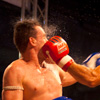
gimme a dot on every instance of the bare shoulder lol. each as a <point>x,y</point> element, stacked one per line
<point>14,73</point>
<point>15,67</point>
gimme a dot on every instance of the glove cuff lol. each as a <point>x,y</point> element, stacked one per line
<point>65,62</point>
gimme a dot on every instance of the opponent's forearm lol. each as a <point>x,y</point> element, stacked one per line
<point>57,50</point>
<point>83,74</point>
<point>68,80</point>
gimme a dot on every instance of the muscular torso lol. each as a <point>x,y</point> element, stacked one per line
<point>41,84</point>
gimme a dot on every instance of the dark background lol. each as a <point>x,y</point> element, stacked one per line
<point>77,21</point>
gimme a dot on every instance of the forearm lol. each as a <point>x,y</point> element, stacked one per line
<point>59,55</point>
<point>68,80</point>
<point>82,74</point>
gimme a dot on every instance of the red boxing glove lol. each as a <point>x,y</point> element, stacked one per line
<point>57,48</point>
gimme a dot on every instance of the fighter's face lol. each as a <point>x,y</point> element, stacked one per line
<point>40,37</point>
<point>41,40</point>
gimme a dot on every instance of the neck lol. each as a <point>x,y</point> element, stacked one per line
<point>31,56</point>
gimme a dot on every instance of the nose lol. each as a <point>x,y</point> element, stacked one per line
<point>46,39</point>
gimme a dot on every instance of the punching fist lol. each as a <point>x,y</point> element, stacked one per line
<point>93,60</point>
<point>57,49</point>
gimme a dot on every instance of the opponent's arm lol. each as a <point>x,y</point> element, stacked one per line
<point>88,73</point>
<point>66,78</point>
<point>84,75</point>
<point>56,49</point>
<point>12,83</point>
<point>58,52</point>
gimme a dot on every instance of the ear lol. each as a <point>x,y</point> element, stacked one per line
<point>32,41</point>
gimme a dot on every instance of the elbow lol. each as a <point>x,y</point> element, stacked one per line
<point>91,83</point>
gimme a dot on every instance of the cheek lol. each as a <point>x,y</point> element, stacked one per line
<point>41,43</point>
<point>43,40</point>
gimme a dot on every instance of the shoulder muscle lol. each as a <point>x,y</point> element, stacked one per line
<point>13,75</point>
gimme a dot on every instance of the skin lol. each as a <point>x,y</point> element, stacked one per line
<point>39,76</point>
<point>85,75</point>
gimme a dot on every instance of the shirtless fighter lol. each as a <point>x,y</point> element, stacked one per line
<point>87,74</point>
<point>33,77</point>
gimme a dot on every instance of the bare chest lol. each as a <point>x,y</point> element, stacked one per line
<point>42,82</point>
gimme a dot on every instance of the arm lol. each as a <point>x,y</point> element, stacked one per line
<point>89,74</point>
<point>12,77</point>
<point>85,75</point>
<point>57,49</point>
<point>66,78</point>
